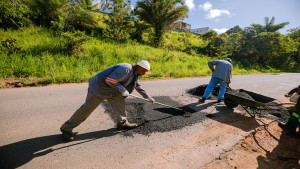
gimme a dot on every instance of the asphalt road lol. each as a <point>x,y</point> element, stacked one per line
<point>30,119</point>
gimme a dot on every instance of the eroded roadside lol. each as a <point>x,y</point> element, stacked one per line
<point>268,146</point>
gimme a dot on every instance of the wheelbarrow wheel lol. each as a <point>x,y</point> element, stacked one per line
<point>230,103</point>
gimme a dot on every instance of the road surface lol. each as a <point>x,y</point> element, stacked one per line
<point>30,119</point>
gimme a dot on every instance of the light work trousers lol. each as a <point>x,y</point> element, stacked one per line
<point>212,84</point>
<point>91,103</point>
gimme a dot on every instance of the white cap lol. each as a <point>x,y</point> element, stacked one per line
<point>144,64</point>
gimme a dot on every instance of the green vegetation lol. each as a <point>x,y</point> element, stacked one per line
<point>43,57</point>
<point>119,26</point>
<point>72,42</point>
<point>160,14</point>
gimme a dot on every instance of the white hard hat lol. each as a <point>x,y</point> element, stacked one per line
<point>144,64</point>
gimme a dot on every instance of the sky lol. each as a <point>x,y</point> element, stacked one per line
<point>221,15</point>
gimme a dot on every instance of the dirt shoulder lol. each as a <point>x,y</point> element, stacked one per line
<point>268,146</point>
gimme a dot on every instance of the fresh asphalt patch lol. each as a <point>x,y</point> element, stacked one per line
<point>157,118</point>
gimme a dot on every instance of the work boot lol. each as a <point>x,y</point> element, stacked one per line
<point>286,126</point>
<point>68,135</point>
<point>202,100</point>
<point>124,124</point>
<point>220,100</point>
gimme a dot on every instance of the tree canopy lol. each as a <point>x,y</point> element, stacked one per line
<point>269,26</point>
<point>160,14</point>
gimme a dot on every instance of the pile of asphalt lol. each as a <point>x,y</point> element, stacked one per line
<point>282,114</point>
<point>156,118</point>
<point>276,111</point>
<point>199,91</point>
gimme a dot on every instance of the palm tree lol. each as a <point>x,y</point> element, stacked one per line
<point>87,4</point>
<point>269,26</point>
<point>160,14</point>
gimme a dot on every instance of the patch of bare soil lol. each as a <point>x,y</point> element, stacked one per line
<point>18,82</point>
<point>268,146</point>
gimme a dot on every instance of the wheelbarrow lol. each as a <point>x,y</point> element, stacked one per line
<point>256,103</point>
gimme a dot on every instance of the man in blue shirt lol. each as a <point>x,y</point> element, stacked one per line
<point>222,74</point>
<point>113,84</point>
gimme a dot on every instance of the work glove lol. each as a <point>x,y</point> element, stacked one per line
<point>287,95</point>
<point>125,93</point>
<point>151,100</point>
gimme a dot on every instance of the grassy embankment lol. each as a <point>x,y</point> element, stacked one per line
<point>43,61</point>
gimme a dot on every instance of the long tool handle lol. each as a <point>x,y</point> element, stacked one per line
<point>156,102</point>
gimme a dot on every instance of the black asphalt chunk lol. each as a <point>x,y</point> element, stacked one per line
<point>270,112</point>
<point>250,95</point>
<point>156,118</point>
<point>199,91</point>
<point>282,115</point>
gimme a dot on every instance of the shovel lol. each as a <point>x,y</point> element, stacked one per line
<point>185,113</point>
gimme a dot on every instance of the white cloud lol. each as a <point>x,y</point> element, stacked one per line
<point>213,13</point>
<point>216,13</point>
<point>220,31</point>
<point>206,6</point>
<point>190,4</point>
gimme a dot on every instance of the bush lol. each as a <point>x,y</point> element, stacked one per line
<point>13,14</point>
<point>11,47</point>
<point>182,41</point>
<point>73,42</point>
<point>77,18</point>
<point>43,12</point>
<point>267,49</point>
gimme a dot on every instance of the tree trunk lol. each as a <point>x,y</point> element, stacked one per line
<point>158,36</point>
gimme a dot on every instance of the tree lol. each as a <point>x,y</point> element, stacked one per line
<point>269,26</point>
<point>140,28</point>
<point>119,25</point>
<point>209,35</point>
<point>77,18</point>
<point>216,45</point>
<point>295,35</point>
<point>160,14</point>
<point>235,29</point>
<point>13,13</point>
<point>86,4</point>
<point>233,44</point>
<point>43,12</point>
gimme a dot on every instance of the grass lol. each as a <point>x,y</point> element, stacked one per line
<point>44,59</point>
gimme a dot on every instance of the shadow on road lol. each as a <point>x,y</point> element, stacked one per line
<point>17,154</point>
<point>228,116</point>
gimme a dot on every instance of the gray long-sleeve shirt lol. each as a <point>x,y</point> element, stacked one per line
<point>222,70</point>
<point>115,79</point>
